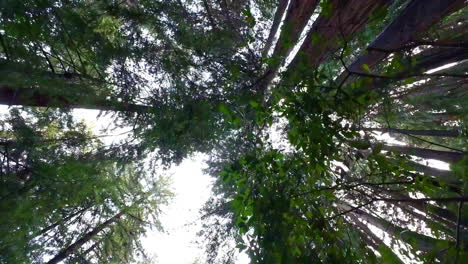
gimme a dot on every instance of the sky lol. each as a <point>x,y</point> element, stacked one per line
<point>179,219</point>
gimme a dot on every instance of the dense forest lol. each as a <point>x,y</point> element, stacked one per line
<point>336,130</point>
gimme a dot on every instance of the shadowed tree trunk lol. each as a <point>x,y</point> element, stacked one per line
<point>439,214</point>
<point>282,6</point>
<point>329,30</point>
<point>43,97</point>
<point>439,88</point>
<point>299,13</point>
<point>445,175</point>
<point>447,156</point>
<point>422,242</point>
<point>417,17</point>
<point>418,132</point>
<point>424,61</point>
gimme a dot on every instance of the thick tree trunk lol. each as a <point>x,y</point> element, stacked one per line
<point>299,13</point>
<point>43,97</point>
<point>417,17</point>
<point>435,87</point>
<point>282,6</point>
<point>426,60</point>
<point>444,175</point>
<point>439,214</point>
<point>417,132</point>
<point>445,116</point>
<point>63,254</point>
<point>447,156</point>
<point>329,30</point>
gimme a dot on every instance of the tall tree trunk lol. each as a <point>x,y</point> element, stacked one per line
<point>424,61</point>
<point>444,175</point>
<point>435,87</point>
<point>423,242</point>
<point>299,13</point>
<point>418,132</point>
<point>439,214</point>
<point>417,17</point>
<point>83,240</point>
<point>329,30</point>
<point>447,156</point>
<point>444,226</point>
<point>209,14</point>
<point>43,97</point>
<point>282,6</point>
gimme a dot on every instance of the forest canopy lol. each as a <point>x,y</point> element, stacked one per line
<point>335,130</point>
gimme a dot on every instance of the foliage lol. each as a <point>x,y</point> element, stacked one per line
<point>302,171</point>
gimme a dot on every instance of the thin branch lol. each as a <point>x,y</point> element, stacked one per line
<point>47,58</point>
<point>350,210</point>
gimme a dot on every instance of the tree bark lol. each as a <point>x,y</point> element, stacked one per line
<point>299,13</point>
<point>447,156</point>
<point>417,17</point>
<point>426,60</point>
<point>445,175</point>
<point>439,214</point>
<point>437,87</point>
<point>423,242</point>
<point>83,240</point>
<point>43,97</point>
<point>418,132</point>
<point>282,6</point>
<point>328,31</point>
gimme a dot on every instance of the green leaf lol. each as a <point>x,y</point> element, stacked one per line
<point>366,68</point>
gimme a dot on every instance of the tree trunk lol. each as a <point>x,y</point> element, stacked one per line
<point>299,13</point>
<point>439,214</point>
<point>282,6</point>
<point>417,132</point>
<point>447,156</point>
<point>444,175</point>
<point>426,60</point>
<point>417,17</point>
<point>423,242</point>
<point>209,14</point>
<point>43,97</point>
<point>329,30</point>
<point>83,240</point>
<point>437,87</point>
